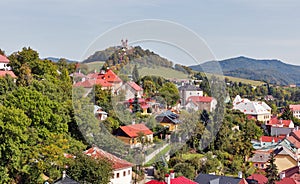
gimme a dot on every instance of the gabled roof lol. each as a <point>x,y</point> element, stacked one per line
<point>66,180</point>
<point>279,122</point>
<point>85,84</point>
<point>169,115</point>
<point>197,99</point>
<point>178,180</point>
<point>286,181</point>
<point>209,178</point>
<point>110,76</point>
<point>3,59</point>
<point>253,108</point>
<point>10,73</point>
<point>261,179</point>
<point>271,139</point>
<point>135,86</point>
<point>118,163</point>
<point>260,157</point>
<point>292,172</point>
<point>294,138</point>
<point>77,74</point>
<point>295,107</point>
<point>134,130</point>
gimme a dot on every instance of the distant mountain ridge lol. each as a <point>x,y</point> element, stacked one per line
<point>54,59</point>
<point>270,70</point>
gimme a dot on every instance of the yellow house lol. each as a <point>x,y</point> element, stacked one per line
<point>285,159</point>
<point>169,120</point>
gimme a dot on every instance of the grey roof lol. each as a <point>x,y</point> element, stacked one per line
<point>215,179</point>
<point>189,88</point>
<point>260,157</point>
<point>66,180</point>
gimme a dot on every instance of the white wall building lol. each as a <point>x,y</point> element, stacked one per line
<point>296,110</point>
<point>122,170</point>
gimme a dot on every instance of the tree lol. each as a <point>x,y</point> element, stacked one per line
<point>87,169</point>
<point>170,93</point>
<point>271,170</point>
<point>135,74</point>
<point>136,107</point>
<point>287,114</point>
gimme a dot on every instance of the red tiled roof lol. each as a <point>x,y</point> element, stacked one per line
<point>182,180</point>
<point>286,181</point>
<point>134,86</point>
<point>155,182</point>
<point>140,100</point>
<point>103,83</point>
<point>92,75</point>
<point>118,163</point>
<point>292,172</point>
<point>276,122</point>
<point>110,76</point>
<point>243,181</point>
<point>261,179</point>
<point>270,138</point>
<point>3,59</point>
<point>294,140</point>
<point>85,84</point>
<point>295,107</point>
<point>133,130</point>
<point>196,99</point>
<point>11,73</point>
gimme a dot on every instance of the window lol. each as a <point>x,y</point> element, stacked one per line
<point>124,173</point>
<point>118,175</point>
<point>128,172</point>
<point>256,165</point>
<point>262,165</point>
<point>113,176</point>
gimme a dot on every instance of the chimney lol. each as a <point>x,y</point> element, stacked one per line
<point>133,122</point>
<point>64,174</point>
<point>280,121</point>
<point>240,174</point>
<point>282,175</point>
<point>167,179</point>
<point>172,174</point>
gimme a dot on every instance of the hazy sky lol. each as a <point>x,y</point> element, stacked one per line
<point>66,28</point>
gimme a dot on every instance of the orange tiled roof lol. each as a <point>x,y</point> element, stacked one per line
<point>133,130</point>
<point>11,73</point>
<point>3,59</point>
<point>117,162</point>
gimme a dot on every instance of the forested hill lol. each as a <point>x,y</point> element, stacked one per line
<point>118,57</point>
<point>273,71</point>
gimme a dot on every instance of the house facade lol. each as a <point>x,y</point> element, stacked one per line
<point>296,110</point>
<point>122,170</point>
<point>131,134</point>
<point>131,88</point>
<point>201,103</point>
<point>259,110</point>
<point>187,90</point>
<point>4,63</point>
<point>280,127</point>
<point>169,120</point>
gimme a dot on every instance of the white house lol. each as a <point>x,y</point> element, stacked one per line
<point>296,110</point>
<point>4,63</point>
<point>201,103</point>
<point>131,88</point>
<point>122,170</point>
<point>259,110</point>
<point>186,91</point>
<point>99,113</point>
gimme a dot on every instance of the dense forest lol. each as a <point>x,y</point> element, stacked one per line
<point>37,124</point>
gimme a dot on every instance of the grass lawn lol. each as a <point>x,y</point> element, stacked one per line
<point>188,156</point>
<point>162,152</point>
<point>95,65</point>
<point>167,73</point>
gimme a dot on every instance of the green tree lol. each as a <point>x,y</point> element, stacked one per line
<point>271,170</point>
<point>170,93</point>
<point>287,114</point>
<point>135,74</point>
<point>136,107</point>
<point>86,169</point>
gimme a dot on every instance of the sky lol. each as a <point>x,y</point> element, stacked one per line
<point>266,29</point>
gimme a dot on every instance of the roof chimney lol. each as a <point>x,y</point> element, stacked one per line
<point>167,179</point>
<point>282,175</point>
<point>240,174</point>
<point>172,174</point>
<point>64,174</point>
